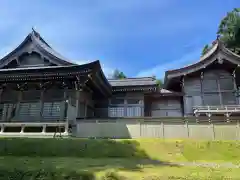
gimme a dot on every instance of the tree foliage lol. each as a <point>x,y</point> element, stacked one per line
<point>158,81</point>
<point>205,49</point>
<point>118,74</point>
<point>229,30</point>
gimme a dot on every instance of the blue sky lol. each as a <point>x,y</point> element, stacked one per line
<point>139,37</point>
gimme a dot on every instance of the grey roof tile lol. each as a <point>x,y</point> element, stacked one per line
<point>144,81</point>
<point>47,48</point>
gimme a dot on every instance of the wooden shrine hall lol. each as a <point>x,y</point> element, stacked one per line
<point>43,93</point>
<point>38,85</point>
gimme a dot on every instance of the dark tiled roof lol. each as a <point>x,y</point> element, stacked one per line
<point>42,44</point>
<point>205,60</point>
<point>217,52</point>
<point>145,81</point>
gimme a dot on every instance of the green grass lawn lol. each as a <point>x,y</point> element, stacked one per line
<point>134,159</point>
<point>190,150</point>
<point>131,168</point>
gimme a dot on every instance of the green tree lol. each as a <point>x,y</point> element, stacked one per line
<point>158,81</point>
<point>229,30</point>
<point>205,49</point>
<point>118,74</point>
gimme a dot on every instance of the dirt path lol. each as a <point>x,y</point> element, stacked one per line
<point>207,164</point>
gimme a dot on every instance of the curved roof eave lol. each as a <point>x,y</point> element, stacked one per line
<point>102,75</point>
<point>196,65</point>
<point>42,45</point>
<point>90,65</point>
<point>6,57</point>
<point>47,49</point>
<point>204,61</point>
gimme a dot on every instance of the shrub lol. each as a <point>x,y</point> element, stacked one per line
<point>70,148</point>
<point>42,174</point>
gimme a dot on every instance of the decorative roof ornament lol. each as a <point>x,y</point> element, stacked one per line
<point>216,41</point>
<point>33,30</point>
<point>35,33</point>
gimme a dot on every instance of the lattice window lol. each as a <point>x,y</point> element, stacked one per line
<point>9,111</point>
<point>51,110</point>
<point>134,111</point>
<point>29,109</point>
<point>1,111</point>
<point>116,111</point>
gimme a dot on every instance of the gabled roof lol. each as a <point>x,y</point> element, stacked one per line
<point>218,52</point>
<point>142,81</point>
<point>133,84</point>
<point>41,45</point>
<point>90,70</point>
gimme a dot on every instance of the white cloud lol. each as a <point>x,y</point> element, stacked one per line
<point>160,69</point>
<point>91,32</point>
<point>108,71</point>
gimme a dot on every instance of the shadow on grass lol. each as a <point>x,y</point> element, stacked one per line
<point>49,174</point>
<point>84,154</point>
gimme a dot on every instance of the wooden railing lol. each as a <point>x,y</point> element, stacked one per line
<point>217,109</point>
<point>34,129</point>
<point>191,119</point>
<point>32,112</point>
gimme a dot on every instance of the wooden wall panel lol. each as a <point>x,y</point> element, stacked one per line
<point>167,106</point>
<point>215,87</point>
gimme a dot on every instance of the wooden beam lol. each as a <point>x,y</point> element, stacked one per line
<point>95,79</point>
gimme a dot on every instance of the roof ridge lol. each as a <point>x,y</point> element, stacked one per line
<point>137,78</point>
<point>45,46</point>
<point>37,35</point>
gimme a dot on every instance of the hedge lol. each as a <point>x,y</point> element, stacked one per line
<point>42,174</point>
<point>92,148</point>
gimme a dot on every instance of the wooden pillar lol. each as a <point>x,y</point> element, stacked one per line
<point>63,105</point>
<point>20,93</point>
<point>1,91</point>
<point>41,104</point>
<point>201,84</point>
<point>85,109</point>
<point>77,103</point>
<point>43,87</point>
<point>63,109</point>
<point>219,92</point>
<point>184,101</point>
<point>163,133</point>
<point>235,86</point>
<point>78,88</point>
<point>125,105</point>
